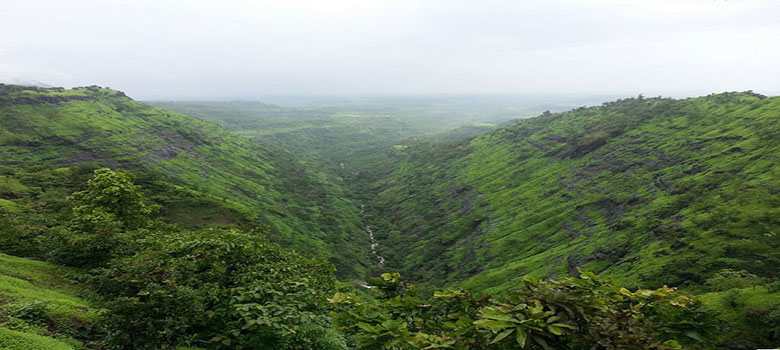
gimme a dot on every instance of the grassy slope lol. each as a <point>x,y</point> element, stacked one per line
<point>25,283</point>
<point>205,166</point>
<point>653,191</point>
<point>342,133</point>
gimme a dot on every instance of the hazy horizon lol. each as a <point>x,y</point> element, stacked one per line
<point>263,50</point>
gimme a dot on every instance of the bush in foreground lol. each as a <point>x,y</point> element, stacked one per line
<point>573,313</point>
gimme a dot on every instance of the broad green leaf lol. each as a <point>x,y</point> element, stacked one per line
<point>366,327</point>
<point>694,335</point>
<point>493,325</point>
<point>521,337</point>
<point>502,335</point>
<point>497,315</point>
<point>541,342</point>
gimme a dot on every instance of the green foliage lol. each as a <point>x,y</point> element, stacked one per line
<point>202,174</point>
<point>110,196</point>
<point>34,312</point>
<point>649,190</point>
<point>38,302</point>
<point>729,279</point>
<point>20,233</point>
<point>764,322</point>
<point>166,287</point>
<point>748,316</point>
<point>214,288</point>
<point>573,313</point>
<point>106,216</point>
<point>654,191</point>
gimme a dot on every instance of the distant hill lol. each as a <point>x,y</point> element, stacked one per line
<point>335,132</point>
<point>201,173</point>
<point>329,136</point>
<point>650,190</point>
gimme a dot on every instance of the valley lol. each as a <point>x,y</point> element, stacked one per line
<point>477,197</point>
<point>610,188</point>
<point>390,175</point>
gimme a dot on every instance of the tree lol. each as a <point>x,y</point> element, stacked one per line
<point>105,218</point>
<point>220,289</point>
<point>111,195</point>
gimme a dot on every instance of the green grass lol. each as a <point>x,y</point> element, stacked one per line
<point>332,134</point>
<point>651,191</point>
<point>14,340</point>
<point>25,280</point>
<point>203,165</point>
<point>62,309</point>
<point>9,205</point>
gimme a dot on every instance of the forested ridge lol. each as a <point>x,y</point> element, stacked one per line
<point>644,223</point>
<point>654,191</point>
<point>200,174</point>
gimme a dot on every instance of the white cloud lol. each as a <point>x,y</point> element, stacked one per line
<point>246,48</point>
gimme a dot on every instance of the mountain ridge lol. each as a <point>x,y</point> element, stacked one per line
<point>646,191</point>
<point>267,186</point>
<point>576,175</point>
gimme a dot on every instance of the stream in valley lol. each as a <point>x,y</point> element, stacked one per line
<point>372,241</point>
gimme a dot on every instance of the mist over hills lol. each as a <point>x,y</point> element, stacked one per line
<point>648,191</point>
<point>389,175</point>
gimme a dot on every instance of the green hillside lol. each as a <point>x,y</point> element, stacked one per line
<point>326,134</point>
<point>40,309</point>
<point>337,135</point>
<point>652,191</point>
<point>198,172</point>
<point>627,198</point>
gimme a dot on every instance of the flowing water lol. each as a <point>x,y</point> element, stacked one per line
<point>372,241</point>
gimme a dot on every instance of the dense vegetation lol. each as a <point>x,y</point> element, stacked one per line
<point>162,286</point>
<point>188,241</point>
<point>651,191</point>
<point>40,307</point>
<point>575,313</point>
<point>337,135</point>
<point>635,188</point>
<point>199,173</point>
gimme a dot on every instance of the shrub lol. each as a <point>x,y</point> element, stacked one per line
<point>111,195</point>
<point>34,312</point>
<point>106,218</point>
<point>574,313</point>
<point>729,279</point>
<point>764,323</point>
<point>214,288</point>
<point>19,234</point>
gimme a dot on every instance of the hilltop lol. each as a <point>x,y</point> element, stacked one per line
<point>201,174</point>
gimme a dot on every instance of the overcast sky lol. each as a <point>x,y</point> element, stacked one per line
<point>226,49</point>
